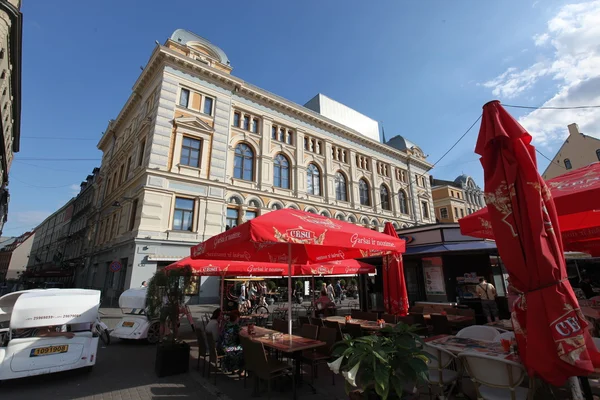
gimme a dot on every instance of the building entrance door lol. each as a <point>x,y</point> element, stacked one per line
<point>414,281</point>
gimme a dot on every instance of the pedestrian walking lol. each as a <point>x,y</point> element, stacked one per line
<point>487,294</point>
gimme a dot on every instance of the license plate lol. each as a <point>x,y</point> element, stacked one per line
<point>127,324</point>
<point>46,351</point>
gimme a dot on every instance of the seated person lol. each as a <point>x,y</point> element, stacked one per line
<point>229,345</point>
<point>323,301</point>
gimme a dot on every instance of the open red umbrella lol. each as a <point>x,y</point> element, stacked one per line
<point>395,295</point>
<point>296,237</point>
<point>549,326</point>
<point>575,196</point>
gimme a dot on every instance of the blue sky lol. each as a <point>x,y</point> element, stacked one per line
<point>423,69</point>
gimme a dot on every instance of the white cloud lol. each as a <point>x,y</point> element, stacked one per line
<point>75,189</point>
<point>574,66</point>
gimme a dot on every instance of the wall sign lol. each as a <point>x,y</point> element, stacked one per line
<point>433,275</point>
<point>115,266</point>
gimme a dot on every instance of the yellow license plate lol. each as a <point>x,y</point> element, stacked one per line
<point>127,324</point>
<point>46,351</point>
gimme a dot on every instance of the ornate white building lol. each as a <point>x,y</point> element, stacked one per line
<point>196,150</point>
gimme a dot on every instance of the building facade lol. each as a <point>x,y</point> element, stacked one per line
<point>48,249</point>
<point>195,151</point>
<point>11,26</point>
<point>473,195</point>
<point>577,151</point>
<point>14,257</point>
<point>448,201</point>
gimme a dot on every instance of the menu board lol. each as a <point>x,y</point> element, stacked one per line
<point>433,275</point>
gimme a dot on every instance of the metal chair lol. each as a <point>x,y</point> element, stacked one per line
<point>264,368</point>
<point>202,349</point>
<point>336,326</point>
<point>479,332</point>
<point>354,330</point>
<point>319,356</point>
<point>389,318</point>
<point>440,325</point>
<point>440,372</point>
<point>214,357</point>
<point>309,331</point>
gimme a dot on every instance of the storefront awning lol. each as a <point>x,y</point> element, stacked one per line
<point>486,246</point>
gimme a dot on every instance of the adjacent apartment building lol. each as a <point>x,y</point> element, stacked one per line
<point>455,199</point>
<point>196,150</point>
<point>577,151</point>
<point>14,256</point>
<point>11,27</point>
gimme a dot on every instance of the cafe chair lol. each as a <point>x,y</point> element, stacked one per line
<point>495,378</point>
<point>479,332</point>
<point>321,355</point>
<point>213,356</point>
<point>316,321</point>
<point>441,372</point>
<point>419,320</point>
<point>370,316</point>
<point>309,331</point>
<point>440,325</point>
<point>355,314</point>
<point>303,320</point>
<point>451,310</point>
<point>245,342</point>
<point>354,330</point>
<point>280,325</point>
<point>202,349</point>
<point>505,335</point>
<point>336,326</point>
<point>466,312</point>
<point>389,318</point>
<point>264,368</point>
<point>407,319</point>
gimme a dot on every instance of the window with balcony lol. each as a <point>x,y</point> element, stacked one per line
<point>190,152</point>
<point>183,215</point>
<point>281,172</point>
<point>313,180</point>
<point>243,166</point>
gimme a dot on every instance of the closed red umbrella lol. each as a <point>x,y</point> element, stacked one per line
<point>549,326</point>
<point>395,295</point>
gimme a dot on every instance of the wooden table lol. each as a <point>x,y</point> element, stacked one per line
<point>285,343</point>
<point>364,324</point>
<point>505,324</point>
<point>452,318</point>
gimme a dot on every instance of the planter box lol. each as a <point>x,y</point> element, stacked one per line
<point>172,359</point>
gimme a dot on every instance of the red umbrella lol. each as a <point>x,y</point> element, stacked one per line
<point>575,196</point>
<point>313,239</point>
<point>395,295</point>
<point>296,237</point>
<point>524,223</point>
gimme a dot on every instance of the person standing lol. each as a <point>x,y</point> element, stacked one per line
<point>338,291</point>
<point>331,292</point>
<point>487,294</point>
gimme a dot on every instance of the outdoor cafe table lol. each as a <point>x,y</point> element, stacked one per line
<point>505,324</point>
<point>290,344</point>
<point>453,319</point>
<point>456,345</point>
<point>364,324</point>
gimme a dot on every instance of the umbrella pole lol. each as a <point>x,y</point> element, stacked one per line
<point>290,288</point>
<point>313,296</point>
<point>575,388</point>
<point>222,291</point>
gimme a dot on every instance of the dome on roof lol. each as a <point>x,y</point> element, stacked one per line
<point>400,143</point>
<point>184,37</point>
<point>462,179</point>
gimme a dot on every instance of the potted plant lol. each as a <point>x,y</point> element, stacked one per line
<point>164,298</point>
<point>382,366</point>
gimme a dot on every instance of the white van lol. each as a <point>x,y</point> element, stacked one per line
<point>30,340</point>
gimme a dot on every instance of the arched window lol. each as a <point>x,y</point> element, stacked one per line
<point>276,206</point>
<point>568,164</point>
<point>403,202</point>
<point>364,221</point>
<point>384,194</point>
<point>352,219</point>
<point>313,180</point>
<point>598,154</point>
<point>326,214</point>
<point>243,166</point>
<point>340,187</point>
<point>340,217</point>
<point>281,172</point>
<point>375,224</point>
<point>363,190</point>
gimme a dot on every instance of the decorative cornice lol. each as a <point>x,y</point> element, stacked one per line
<point>241,87</point>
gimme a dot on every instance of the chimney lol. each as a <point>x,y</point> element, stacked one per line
<point>573,129</point>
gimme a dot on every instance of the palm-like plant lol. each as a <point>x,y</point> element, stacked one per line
<point>382,364</point>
